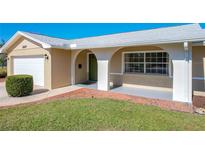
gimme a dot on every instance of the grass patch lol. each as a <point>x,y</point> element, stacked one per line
<point>96,114</point>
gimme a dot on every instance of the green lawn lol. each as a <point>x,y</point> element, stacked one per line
<point>96,114</point>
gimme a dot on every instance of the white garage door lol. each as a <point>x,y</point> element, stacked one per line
<point>32,66</point>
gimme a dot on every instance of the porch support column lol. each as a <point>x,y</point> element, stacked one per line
<point>103,56</point>
<point>103,75</point>
<point>182,76</point>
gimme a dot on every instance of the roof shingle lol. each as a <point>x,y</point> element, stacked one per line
<point>189,32</point>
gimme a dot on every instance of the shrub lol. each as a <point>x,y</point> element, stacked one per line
<point>3,72</point>
<point>19,85</point>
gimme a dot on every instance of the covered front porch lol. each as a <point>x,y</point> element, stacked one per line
<point>152,71</point>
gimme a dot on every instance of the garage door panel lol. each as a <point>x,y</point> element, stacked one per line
<point>30,65</point>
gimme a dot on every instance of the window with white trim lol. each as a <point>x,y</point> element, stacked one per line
<point>146,62</point>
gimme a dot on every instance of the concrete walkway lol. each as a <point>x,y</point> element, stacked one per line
<point>144,92</point>
<point>38,94</point>
<point>141,91</point>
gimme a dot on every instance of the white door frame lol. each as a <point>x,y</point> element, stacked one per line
<point>88,54</point>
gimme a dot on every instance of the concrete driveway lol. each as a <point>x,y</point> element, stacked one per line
<point>38,94</point>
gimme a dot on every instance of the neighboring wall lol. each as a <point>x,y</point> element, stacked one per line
<point>118,78</point>
<point>61,68</point>
<point>198,70</point>
<point>26,47</point>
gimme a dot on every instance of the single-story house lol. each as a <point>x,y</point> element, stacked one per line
<point>170,58</point>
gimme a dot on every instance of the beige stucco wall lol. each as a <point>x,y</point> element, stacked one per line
<point>81,74</point>
<point>138,79</point>
<point>30,50</point>
<point>24,43</point>
<point>148,80</point>
<point>57,68</point>
<point>198,70</point>
<point>60,68</point>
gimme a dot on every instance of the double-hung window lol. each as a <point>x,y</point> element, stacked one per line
<point>146,62</point>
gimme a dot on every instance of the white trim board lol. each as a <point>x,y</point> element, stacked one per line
<point>18,34</point>
<point>88,64</point>
<point>198,78</point>
<point>116,73</point>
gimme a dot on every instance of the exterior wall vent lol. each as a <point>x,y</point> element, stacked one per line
<point>24,46</point>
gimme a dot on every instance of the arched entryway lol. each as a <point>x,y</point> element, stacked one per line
<point>85,67</point>
<point>137,64</point>
<point>142,71</point>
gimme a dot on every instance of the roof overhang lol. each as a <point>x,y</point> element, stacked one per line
<point>124,44</point>
<point>16,36</point>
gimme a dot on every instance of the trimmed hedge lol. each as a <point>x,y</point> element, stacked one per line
<point>19,85</point>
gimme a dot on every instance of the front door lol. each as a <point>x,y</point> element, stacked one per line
<point>92,67</point>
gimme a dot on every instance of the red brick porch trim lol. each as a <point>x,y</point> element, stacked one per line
<point>199,101</point>
<point>91,93</point>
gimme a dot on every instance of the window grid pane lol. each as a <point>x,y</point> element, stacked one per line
<point>157,63</point>
<point>152,62</point>
<point>134,63</point>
